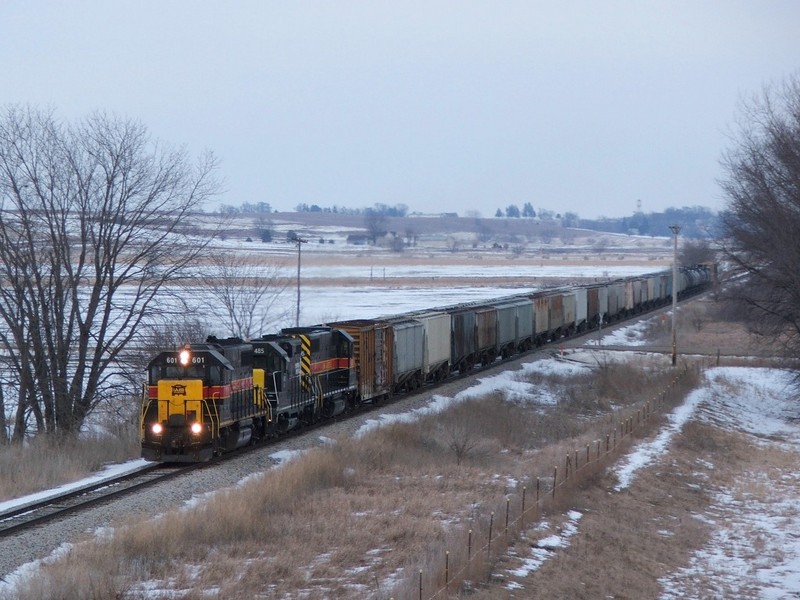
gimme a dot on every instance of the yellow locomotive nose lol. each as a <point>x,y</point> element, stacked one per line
<point>179,397</point>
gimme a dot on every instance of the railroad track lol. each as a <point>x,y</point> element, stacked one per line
<point>39,512</point>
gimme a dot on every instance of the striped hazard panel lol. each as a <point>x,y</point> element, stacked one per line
<point>305,362</point>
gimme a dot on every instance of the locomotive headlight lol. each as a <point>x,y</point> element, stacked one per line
<point>157,428</point>
<point>185,356</point>
<point>196,428</point>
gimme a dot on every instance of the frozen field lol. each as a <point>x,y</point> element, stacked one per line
<point>344,282</point>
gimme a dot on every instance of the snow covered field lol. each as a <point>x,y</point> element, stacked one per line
<point>339,301</point>
<point>327,273</point>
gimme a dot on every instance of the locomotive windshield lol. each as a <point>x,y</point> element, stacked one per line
<point>212,374</point>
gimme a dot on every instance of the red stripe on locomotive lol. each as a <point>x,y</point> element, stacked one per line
<point>331,364</point>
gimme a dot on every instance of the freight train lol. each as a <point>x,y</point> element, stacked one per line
<point>208,398</point>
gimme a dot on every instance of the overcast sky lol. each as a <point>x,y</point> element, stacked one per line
<point>443,106</point>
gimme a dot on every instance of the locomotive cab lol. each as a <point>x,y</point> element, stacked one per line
<point>198,402</point>
<point>307,373</point>
<point>276,366</point>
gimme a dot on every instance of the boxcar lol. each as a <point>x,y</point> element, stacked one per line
<point>630,298</point>
<point>525,324</point>
<point>372,353</point>
<point>616,300</point>
<point>593,306</point>
<point>569,303</point>
<point>541,318</point>
<point>514,326</point>
<point>486,333</point>
<point>652,290</point>
<point>581,308</point>
<point>556,312</point>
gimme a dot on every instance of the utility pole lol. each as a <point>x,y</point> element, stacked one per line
<point>675,229</point>
<point>299,241</point>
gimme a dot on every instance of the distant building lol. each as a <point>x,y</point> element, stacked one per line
<point>358,239</point>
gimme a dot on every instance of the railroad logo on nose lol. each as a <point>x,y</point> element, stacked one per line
<point>178,389</point>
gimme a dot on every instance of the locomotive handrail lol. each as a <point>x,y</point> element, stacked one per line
<point>274,375</point>
<point>145,405</point>
<point>318,393</point>
<point>263,401</point>
<point>213,416</point>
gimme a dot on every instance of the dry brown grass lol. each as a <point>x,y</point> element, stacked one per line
<point>362,518</point>
<point>46,462</point>
<point>628,540</point>
<point>702,331</point>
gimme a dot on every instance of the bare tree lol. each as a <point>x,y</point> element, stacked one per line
<point>460,435</point>
<point>264,228</point>
<point>696,252</point>
<point>247,293</point>
<point>90,217</point>
<point>4,432</point>
<point>762,186</point>
<point>452,243</point>
<point>375,222</point>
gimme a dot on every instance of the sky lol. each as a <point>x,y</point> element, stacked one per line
<point>598,108</point>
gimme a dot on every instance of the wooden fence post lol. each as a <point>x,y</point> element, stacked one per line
<point>555,480</point>
<point>522,514</point>
<point>489,545</point>
<point>508,508</point>
<point>446,570</point>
